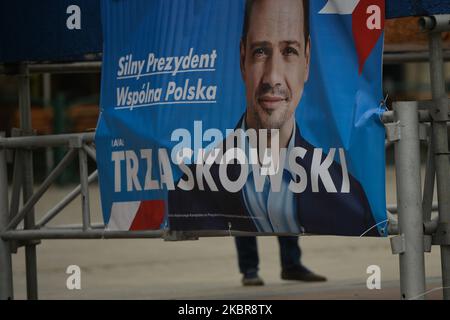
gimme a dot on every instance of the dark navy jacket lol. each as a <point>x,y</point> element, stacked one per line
<point>323,213</point>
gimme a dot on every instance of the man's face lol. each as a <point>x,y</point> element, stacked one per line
<point>274,62</point>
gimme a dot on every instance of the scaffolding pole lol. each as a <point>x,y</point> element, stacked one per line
<point>440,116</point>
<point>6,279</point>
<point>409,244</point>
<point>28,180</point>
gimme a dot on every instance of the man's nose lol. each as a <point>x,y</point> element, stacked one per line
<point>273,73</point>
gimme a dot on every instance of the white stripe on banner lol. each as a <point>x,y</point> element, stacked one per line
<point>339,7</point>
<point>122,215</point>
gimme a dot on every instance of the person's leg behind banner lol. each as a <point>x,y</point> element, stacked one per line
<point>248,260</point>
<point>291,264</point>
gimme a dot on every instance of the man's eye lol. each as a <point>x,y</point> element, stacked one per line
<point>289,51</point>
<point>259,52</point>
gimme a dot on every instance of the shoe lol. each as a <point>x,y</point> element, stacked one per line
<point>253,280</point>
<point>300,273</point>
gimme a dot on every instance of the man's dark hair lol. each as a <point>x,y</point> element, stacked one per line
<point>248,12</point>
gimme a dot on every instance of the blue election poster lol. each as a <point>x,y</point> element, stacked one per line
<point>260,116</point>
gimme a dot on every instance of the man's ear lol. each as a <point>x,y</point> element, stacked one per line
<point>242,58</point>
<point>307,58</point>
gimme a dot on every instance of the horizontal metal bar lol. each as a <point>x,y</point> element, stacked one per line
<point>393,229</point>
<point>392,208</point>
<point>47,233</point>
<point>45,141</point>
<point>424,112</point>
<point>430,227</point>
<point>435,23</point>
<point>410,57</point>
<point>78,234</point>
<point>74,67</point>
<point>429,104</point>
<point>388,116</point>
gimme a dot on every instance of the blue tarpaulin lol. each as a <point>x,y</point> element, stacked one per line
<point>53,30</point>
<point>404,8</point>
<point>37,30</point>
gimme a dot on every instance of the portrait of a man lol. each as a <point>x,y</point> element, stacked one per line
<point>275,53</point>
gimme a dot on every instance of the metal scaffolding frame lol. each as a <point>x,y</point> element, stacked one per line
<point>413,234</point>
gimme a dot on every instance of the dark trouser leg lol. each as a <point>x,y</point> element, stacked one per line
<point>290,252</point>
<point>247,250</point>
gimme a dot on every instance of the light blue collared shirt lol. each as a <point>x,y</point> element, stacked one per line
<point>272,211</point>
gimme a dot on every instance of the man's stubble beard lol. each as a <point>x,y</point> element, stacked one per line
<point>271,120</point>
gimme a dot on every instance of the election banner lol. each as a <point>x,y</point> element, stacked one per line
<point>259,116</point>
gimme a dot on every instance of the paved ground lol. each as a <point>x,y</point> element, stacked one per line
<point>207,268</point>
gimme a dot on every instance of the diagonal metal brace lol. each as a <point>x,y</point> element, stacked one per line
<point>45,185</point>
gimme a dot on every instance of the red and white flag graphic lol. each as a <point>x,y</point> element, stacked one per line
<point>136,215</point>
<point>367,23</point>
